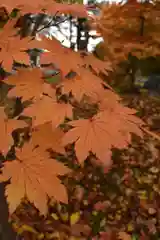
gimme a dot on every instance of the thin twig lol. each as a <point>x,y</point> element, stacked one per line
<point>152,134</point>
<point>49,24</point>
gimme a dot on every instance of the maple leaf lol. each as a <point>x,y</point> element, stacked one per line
<point>53,7</point>
<point>62,110</point>
<point>24,5</point>
<point>50,7</point>
<point>48,110</point>
<point>78,228</point>
<point>9,5</point>
<point>105,98</point>
<point>49,90</point>
<point>13,48</point>
<point>105,130</point>
<point>8,30</point>
<point>83,83</point>
<point>97,65</point>
<point>5,36</point>
<point>109,101</point>
<point>33,175</point>
<point>56,51</point>
<point>46,137</point>
<point>124,236</point>
<point>28,83</point>
<point>7,127</point>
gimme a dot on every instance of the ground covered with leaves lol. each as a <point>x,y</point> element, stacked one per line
<point>122,202</point>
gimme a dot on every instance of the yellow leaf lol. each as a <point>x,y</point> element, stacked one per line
<point>15,227</point>
<point>64,216</point>
<point>130,227</point>
<point>40,236</point>
<point>74,218</point>
<point>54,216</point>
<point>94,213</point>
<point>27,228</point>
<point>117,217</point>
<point>53,235</point>
<point>142,194</point>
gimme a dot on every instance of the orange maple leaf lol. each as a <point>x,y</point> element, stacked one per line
<point>99,134</point>
<point>106,98</point>
<point>49,90</point>
<point>8,29</point>
<point>46,137</point>
<point>7,127</point>
<point>96,64</point>
<point>50,7</point>
<point>83,83</point>
<point>28,84</point>
<point>33,175</point>
<point>56,51</point>
<point>24,5</point>
<point>13,48</point>
<point>47,109</point>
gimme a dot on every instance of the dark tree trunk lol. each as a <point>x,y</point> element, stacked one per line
<point>82,40</point>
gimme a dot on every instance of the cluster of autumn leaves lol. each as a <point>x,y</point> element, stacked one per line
<point>132,27</point>
<point>51,119</point>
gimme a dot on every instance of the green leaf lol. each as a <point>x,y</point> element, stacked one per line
<point>14,13</point>
<point>54,79</point>
<point>135,237</point>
